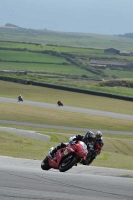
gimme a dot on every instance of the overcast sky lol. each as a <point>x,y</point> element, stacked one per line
<point>87,16</point>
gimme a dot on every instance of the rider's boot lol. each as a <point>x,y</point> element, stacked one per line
<point>52,152</point>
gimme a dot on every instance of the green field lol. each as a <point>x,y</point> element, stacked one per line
<point>48,68</point>
<point>61,118</point>
<point>77,51</point>
<point>72,62</point>
<point>119,73</point>
<point>66,39</point>
<point>69,66</point>
<point>29,57</point>
<point>49,95</point>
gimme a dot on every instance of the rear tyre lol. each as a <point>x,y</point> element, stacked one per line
<point>67,163</point>
<point>87,161</point>
<point>45,165</point>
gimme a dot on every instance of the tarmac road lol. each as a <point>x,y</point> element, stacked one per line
<point>23,179</point>
<point>27,133</point>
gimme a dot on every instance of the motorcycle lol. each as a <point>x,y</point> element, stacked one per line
<point>20,98</point>
<point>59,103</point>
<point>66,157</point>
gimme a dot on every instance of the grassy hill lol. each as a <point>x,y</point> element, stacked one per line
<point>14,33</point>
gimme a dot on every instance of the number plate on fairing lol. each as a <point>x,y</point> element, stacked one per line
<point>65,152</point>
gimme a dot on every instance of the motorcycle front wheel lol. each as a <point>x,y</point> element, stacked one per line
<point>45,165</point>
<point>67,163</point>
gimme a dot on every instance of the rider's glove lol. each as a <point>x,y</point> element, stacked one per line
<point>73,142</point>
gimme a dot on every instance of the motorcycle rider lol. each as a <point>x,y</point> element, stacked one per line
<point>20,97</point>
<point>95,149</point>
<point>88,138</point>
<point>98,144</point>
<point>59,103</point>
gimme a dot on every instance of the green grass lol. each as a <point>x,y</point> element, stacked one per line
<point>78,51</point>
<point>23,147</point>
<point>72,75</point>
<point>29,57</point>
<point>75,99</point>
<point>120,73</point>
<point>67,39</point>
<point>49,68</point>
<point>72,81</point>
<point>68,49</point>
<point>38,115</point>
<point>114,160</point>
<point>5,44</point>
<point>43,94</point>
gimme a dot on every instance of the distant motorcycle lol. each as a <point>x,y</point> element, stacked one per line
<point>20,98</point>
<point>59,103</point>
<point>67,157</point>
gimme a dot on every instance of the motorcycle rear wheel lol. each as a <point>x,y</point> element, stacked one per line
<point>87,161</point>
<point>67,163</point>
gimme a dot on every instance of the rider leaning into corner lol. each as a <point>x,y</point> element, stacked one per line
<point>20,97</point>
<point>94,148</point>
<point>94,144</point>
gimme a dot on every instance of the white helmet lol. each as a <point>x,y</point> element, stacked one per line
<point>71,139</point>
<point>99,135</point>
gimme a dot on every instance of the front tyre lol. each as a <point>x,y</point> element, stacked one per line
<point>45,165</point>
<point>67,163</point>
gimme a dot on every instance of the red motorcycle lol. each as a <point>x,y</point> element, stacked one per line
<point>66,157</point>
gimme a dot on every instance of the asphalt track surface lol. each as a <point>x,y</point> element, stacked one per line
<point>27,133</point>
<point>23,179</point>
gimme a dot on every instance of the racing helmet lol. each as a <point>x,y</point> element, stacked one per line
<point>89,137</point>
<point>99,135</point>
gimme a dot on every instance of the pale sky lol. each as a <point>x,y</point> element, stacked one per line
<point>86,16</point>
